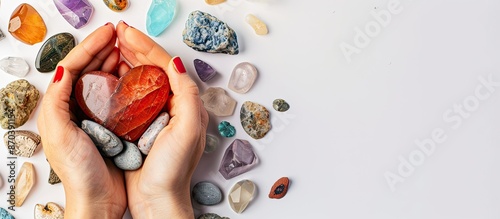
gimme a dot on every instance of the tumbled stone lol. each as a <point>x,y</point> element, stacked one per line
<point>24,182</point>
<point>160,14</point>
<point>205,71</point>
<point>148,138</point>
<point>2,36</point>
<point>258,26</point>
<point>50,211</point>
<point>239,158</point>
<point>75,12</point>
<point>17,101</point>
<point>226,129</point>
<point>241,195</point>
<point>125,106</point>
<point>218,102</point>
<point>21,142</point>
<point>53,177</point>
<point>108,143</point>
<point>53,51</point>
<point>130,158</point>
<point>116,5</point>
<point>206,33</point>
<point>281,105</point>
<point>280,188</point>
<point>255,119</point>
<point>15,66</point>
<point>27,25</point>
<point>211,216</point>
<point>206,193</point>
<point>211,143</point>
<point>242,78</point>
<point>4,214</point>
<point>214,2</point>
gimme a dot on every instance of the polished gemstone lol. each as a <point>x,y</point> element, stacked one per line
<point>239,158</point>
<point>204,70</point>
<point>24,182</point>
<point>4,214</point>
<point>258,26</point>
<point>17,101</point>
<point>226,129</point>
<point>49,211</point>
<point>281,105</point>
<point>280,188</point>
<point>2,36</point>
<point>218,102</point>
<point>15,66</point>
<point>206,33</point>
<point>27,25</point>
<point>117,5</point>
<point>108,143</point>
<point>130,158</point>
<point>242,78</point>
<point>148,138</point>
<point>207,193</point>
<point>211,144</point>
<point>21,143</point>
<point>75,12</point>
<point>214,2</point>
<point>255,119</point>
<point>211,216</point>
<point>125,106</point>
<point>53,51</point>
<point>160,14</point>
<point>241,195</point>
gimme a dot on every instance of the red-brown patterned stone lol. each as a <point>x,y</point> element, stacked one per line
<point>279,188</point>
<point>125,106</point>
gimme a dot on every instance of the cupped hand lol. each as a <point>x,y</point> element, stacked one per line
<point>93,186</point>
<point>160,188</point>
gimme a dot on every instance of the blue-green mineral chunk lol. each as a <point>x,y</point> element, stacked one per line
<point>226,129</point>
<point>5,215</point>
<point>160,15</point>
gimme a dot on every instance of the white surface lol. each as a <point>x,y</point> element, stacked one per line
<point>349,122</point>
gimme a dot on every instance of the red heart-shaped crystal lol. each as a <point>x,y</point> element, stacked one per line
<point>125,106</point>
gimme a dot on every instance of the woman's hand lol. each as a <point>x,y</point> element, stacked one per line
<point>93,186</point>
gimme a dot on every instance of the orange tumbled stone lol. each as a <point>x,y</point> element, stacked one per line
<point>27,25</point>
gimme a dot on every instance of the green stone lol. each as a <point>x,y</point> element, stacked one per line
<point>226,129</point>
<point>53,51</point>
<point>281,105</point>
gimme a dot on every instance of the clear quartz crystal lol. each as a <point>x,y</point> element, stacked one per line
<point>241,195</point>
<point>242,78</point>
<point>15,66</point>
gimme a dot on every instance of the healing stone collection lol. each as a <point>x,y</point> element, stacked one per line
<point>4,214</point>
<point>160,14</point>
<point>258,26</point>
<point>50,211</point>
<point>218,102</point>
<point>24,142</point>
<point>75,12</point>
<point>207,193</point>
<point>17,101</point>
<point>279,189</point>
<point>24,182</point>
<point>130,158</point>
<point>107,142</point>
<point>53,51</point>
<point>226,129</point>
<point>211,216</point>
<point>27,25</point>
<point>206,33</point>
<point>281,105</point>
<point>242,78</point>
<point>116,5</point>
<point>255,119</point>
<point>241,195</point>
<point>204,70</point>
<point>148,138</point>
<point>239,158</point>
<point>15,66</point>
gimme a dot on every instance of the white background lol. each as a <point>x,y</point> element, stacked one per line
<point>350,123</point>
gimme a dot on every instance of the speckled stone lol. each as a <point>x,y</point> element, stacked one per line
<point>226,129</point>
<point>53,51</point>
<point>21,143</point>
<point>108,143</point>
<point>17,101</point>
<point>15,66</point>
<point>49,211</point>
<point>204,70</point>
<point>4,214</point>
<point>281,105</point>
<point>117,5</point>
<point>206,193</point>
<point>130,158</point>
<point>238,158</point>
<point>218,102</point>
<point>211,143</point>
<point>148,138</point>
<point>280,188</point>
<point>255,119</point>
<point>211,216</point>
<point>206,33</point>
<point>53,177</point>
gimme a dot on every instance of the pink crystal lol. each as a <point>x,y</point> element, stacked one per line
<point>239,158</point>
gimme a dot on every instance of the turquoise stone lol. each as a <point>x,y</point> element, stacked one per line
<point>160,15</point>
<point>226,129</point>
<point>5,215</point>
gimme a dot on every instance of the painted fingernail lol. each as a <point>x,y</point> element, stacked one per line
<point>59,74</point>
<point>125,23</point>
<point>107,24</point>
<point>179,66</point>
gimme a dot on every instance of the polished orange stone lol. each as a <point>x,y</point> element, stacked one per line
<point>27,25</point>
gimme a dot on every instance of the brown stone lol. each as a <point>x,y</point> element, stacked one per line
<point>279,188</point>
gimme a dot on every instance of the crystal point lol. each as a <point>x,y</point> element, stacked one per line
<point>242,78</point>
<point>204,70</point>
<point>15,66</point>
<point>27,25</point>
<point>241,195</point>
<point>160,15</point>
<point>75,12</point>
<point>238,158</point>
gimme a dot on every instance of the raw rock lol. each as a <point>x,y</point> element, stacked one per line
<point>241,195</point>
<point>239,158</point>
<point>148,138</point>
<point>206,193</point>
<point>211,143</point>
<point>24,182</point>
<point>211,216</point>
<point>4,214</point>
<point>205,71</point>
<point>53,177</point>
<point>15,66</point>
<point>280,105</point>
<point>27,25</point>
<point>53,51</point>
<point>226,129</point>
<point>258,26</point>
<point>279,188</point>
<point>116,5</point>
<point>130,158</point>
<point>218,102</point>
<point>21,142</point>
<point>17,101</point>
<point>50,211</point>
<point>108,143</point>
<point>75,12</point>
<point>160,15</point>
<point>255,119</point>
<point>206,33</point>
<point>242,78</point>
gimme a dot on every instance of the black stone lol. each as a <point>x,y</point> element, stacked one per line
<point>279,189</point>
<point>53,51</point>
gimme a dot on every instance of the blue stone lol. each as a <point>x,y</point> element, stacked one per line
<point>206,193</point>
<point>5,215</point>
<point>226,129</point>
<point>206,33</point>
<point>160,15</point>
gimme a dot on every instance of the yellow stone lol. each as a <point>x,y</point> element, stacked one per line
<point>259,26</point>
<point>24,182</point>
<point>214,2</point>
<point>27,25</point>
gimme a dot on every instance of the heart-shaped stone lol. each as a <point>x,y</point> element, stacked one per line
<point>125,106</point>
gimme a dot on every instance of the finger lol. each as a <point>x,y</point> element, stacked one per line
<point>110,64</point>
<point>123,68</point>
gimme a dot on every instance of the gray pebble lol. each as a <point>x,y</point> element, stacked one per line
<point>206,193</point>
<point>281,105</point>
<point>148,138</point>
<point>130,158</point>
<point>108,143</point>
<point>211,216</point>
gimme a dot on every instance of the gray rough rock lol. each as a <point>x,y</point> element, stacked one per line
<point>108,143</point>
<point>17,101</point>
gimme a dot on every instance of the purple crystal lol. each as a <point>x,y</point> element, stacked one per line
<point>76,12</point>
<point>204,70</point>
<point>238,158</point>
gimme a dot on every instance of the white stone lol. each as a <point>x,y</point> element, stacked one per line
<point>15,66</point>
<point>242,78</point>
<point>241,195</point>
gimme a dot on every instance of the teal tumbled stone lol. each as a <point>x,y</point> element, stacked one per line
<point>226,129</point>
<point>160,15</point>
<point>5,215</point>
<point>53,51</point>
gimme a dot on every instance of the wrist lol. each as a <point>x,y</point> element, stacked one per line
<point>80,206</point>
<point>163,206</point>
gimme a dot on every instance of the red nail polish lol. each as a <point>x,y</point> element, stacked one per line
<point>59,74</point>
<point>179,66</point>
<point>125,23</point>
<point>107,24</point>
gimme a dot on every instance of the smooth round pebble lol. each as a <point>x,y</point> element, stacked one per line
<point>148,138</point>
<point>130,158</point>
<point>108,143</point>
<point>206,193</point>
<point>281,105</point>
<point>211,143</point>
